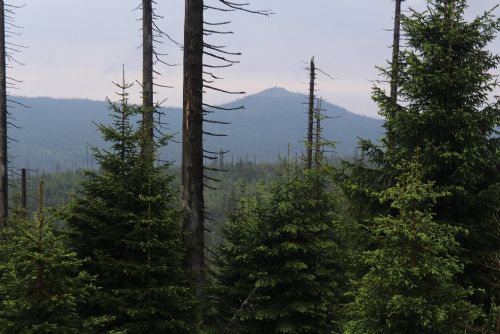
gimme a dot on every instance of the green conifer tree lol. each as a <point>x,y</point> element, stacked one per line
<point>411,286</point>
<point>126,221</point>
<point>445,108</point>
<point>42,283</point>
<point>278,269</point>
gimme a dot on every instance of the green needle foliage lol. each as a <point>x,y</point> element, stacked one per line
<point>42,283</point>
<point>446,82</point>
<point>411,286</point>
<point>278,269</point>
<point>446,110</point>
<point>125,220</point>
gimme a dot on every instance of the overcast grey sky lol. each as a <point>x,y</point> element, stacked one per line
<point>77,47</point>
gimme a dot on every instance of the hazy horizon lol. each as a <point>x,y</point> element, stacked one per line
<point>80,53</point>
<point>248,94</point>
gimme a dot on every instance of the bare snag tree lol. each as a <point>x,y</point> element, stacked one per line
<point>147,73</point>
<point>395,51</point>
<point>198,77</point>
<point>314,141</point>
<point>4,201</point>
<point>8,49</point>
<point>310,114</point>
<point>318,139</point>
<point>152,36</point>
<point>192,142</point>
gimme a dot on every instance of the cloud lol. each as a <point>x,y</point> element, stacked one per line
<point>77,48</point>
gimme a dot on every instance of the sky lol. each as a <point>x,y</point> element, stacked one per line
<point>76,48</point>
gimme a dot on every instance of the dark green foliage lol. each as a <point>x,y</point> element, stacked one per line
<point>446,80</point>
<point>42,283</point>
<point>125,220</point>
<point>240,179</point>
<point>277,271</point>
<point>411,284</point>
<point>446,112</point>
<point>59,186</point>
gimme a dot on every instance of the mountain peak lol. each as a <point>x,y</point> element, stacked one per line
<point>275,92</point>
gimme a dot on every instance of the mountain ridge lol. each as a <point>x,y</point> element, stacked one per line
<point>56,133</point>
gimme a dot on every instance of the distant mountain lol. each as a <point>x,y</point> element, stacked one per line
<point>56,133</point>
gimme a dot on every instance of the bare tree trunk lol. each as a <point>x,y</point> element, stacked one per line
<point>318,140</point>
<point>234,318</point>
<point>498,323</point>
<point>147,73</point>
<point>24,202</point>
<point>192,143</point>
<point>310,115</point>
<point>395,52</point>
<point>3,121</point>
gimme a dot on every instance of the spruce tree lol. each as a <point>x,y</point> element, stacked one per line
<point>444,108</point>
<point>125,220</point>
<point>446,81</point>
<point>278,269</point>
<point>411,285</point>
<point>235,262</point>
<point>42,282</point>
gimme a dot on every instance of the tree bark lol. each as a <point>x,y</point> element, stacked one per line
<point>310,115</point>
<point>395,52</point>
<point>498,322</point>
<point>147,74</point>
<point>3,121</point>
<point>318,141</point>
<point>192,143</point>
<point>24,201</point>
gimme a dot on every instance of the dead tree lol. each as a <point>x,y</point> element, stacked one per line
<point>4,202</point>
<point>310,114</point>
<point>194,174</point>
<point>192,142</point>
<point>318,140</point>
<point>8,50</point>
<point>147,73</point>
<point>24,201</point>
<point>314,115</point>
<point>152,36</point>
<point>395,52</point>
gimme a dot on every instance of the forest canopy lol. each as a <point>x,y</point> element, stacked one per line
<point>401,237</point>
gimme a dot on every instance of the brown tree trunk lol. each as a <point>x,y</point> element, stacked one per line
<point>147,73</point>
<point>3,121</point>
<point>498,323</point>
<point>318,141</point>
<point>24,202</point>
<point>192,142</point>
<point>310,115</point>
<point>395,52</point>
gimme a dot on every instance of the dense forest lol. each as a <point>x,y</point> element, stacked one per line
<point>401,237</point>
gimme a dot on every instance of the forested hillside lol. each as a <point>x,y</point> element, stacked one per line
<point>56,134</point>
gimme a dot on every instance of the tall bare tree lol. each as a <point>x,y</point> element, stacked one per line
<point>395,51</point>
<point>3,120</point>
<point>192,140</point>
<point>24,196</point>
<point>318,140</point>
<point>193,153</point>
<point>147,72</point>
<point>310,114</point>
